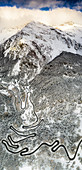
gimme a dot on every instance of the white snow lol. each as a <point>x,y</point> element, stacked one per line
<point>28,112</point>
<point>22,41</point>
<point>11,86</point>
<point>6,107</point>
<point>78,108</point>
<point>50,45</point>
<point>26,167</point>
<point>68,77</point>
<point>4,92</point>
<point>16,68</point>
<point>68,66</point>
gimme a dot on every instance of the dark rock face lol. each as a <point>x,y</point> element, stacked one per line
<point>60,79</point>
<point>57,91</point>
<point>56,99</point>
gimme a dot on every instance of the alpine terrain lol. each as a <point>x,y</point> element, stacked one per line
<point>41,98</point>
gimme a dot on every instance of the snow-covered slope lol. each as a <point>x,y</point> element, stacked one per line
<point>37,44</point>
<point>72,29</point>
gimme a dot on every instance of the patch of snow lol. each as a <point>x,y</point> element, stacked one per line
<point>67,76</point>
<point>11,86</point>
<point>16,68</point>
<point>23,104</point>
<point>25,168</point>
<point>28,112</point>
<point>68,66</point>
<point>22,41</point>
<point>6,107</point>
<point>4,92</point>
<point>78,108</point>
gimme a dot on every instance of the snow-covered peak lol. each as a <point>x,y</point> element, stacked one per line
<point>37,44</point>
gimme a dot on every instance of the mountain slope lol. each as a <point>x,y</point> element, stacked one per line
<point>57,97</point>
<point>52,108</point>
<point>72,29</point>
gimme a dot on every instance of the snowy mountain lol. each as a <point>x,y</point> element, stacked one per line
<point>41,98</point>
<point>35,45</point>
